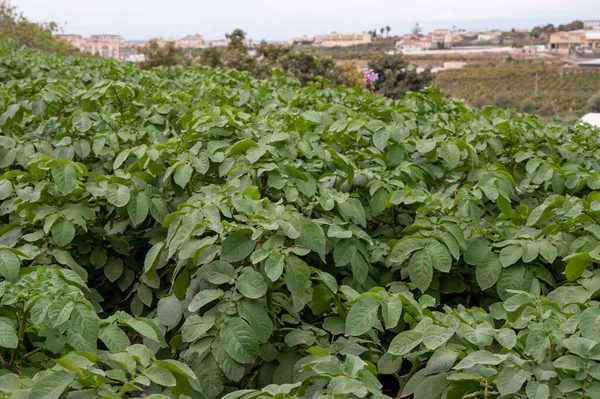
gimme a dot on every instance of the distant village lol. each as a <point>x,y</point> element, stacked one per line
<point>443,41</point>
<point>114,46</point>
<point>586,39</point>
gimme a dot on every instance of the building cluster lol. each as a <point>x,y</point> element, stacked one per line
<point>586,39</point>
<point>106,46</point>
<point>333,39</point>
<point>114,46</point>
<point>490,36</point>
<point>438,39</point>
<point>441,39</point>
<point>196,42</point>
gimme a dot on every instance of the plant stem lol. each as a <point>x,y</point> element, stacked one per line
<point>473,395</point>
<point>382,220</point>
<point>33,352</point>
<point>412,371</point>
<point>120,105</point>
<point>270,299</point>
<point>393,215</point>
<point>22,326</point>
<point>338,303</point>
<point>551,352</point>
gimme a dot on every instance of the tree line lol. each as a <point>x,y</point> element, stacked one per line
<point>396,77</point>
<point>537,31</point>
<point>15,26</point>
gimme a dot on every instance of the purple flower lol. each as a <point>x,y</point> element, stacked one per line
<point>371,76</point>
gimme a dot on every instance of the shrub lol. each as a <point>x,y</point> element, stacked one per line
<point>211,57</point>
<point>528,106</point>
<point>156,55</point>
<point>502,101</point>
<point>396,77</point>
<point>547,110</point>
<point>350,75</point>
<point>594,103</point>
<point>302,65</point>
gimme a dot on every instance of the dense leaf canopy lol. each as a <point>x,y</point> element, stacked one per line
<point>191,232</point>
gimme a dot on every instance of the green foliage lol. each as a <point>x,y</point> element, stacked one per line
<point>302,65</point>
<point>365,51</point>
<point>350,74</point>
<point>188,232</point>
<point>550,28</point>
<point>396,78</point>
<point>211,57</point>
<point>14,26</point>
<point>322,375</point>
<point>236,55</point>
<point>306,66</point>
<point>118,374</point>
<point>573,25</point>
<point>167,55</point>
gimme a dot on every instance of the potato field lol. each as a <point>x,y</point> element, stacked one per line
<point>187,232</point>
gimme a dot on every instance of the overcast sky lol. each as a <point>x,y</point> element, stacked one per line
<point>281,19</point>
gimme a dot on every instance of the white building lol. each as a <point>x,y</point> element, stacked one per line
<point>106,38</point>
<point>407,46</point>
<point>218,43</point>
<point>105,46</point>
<point>335,39</point>
<point>591,24</point>
<point>454,64</point>
<point>489,36</point>
<point>135,58</point>
<point>191,41</point>
<point>535,49</point>
<point>76,40</point>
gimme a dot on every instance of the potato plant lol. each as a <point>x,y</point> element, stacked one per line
<point>188,232</point>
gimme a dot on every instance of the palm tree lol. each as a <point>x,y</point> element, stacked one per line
<point>388,29</point>
<point>381,30</point>
<point>417,29</point>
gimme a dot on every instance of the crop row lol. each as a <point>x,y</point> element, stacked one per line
<point>542,85</point>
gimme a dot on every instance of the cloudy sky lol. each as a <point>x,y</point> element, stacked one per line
<point>281,19</point>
